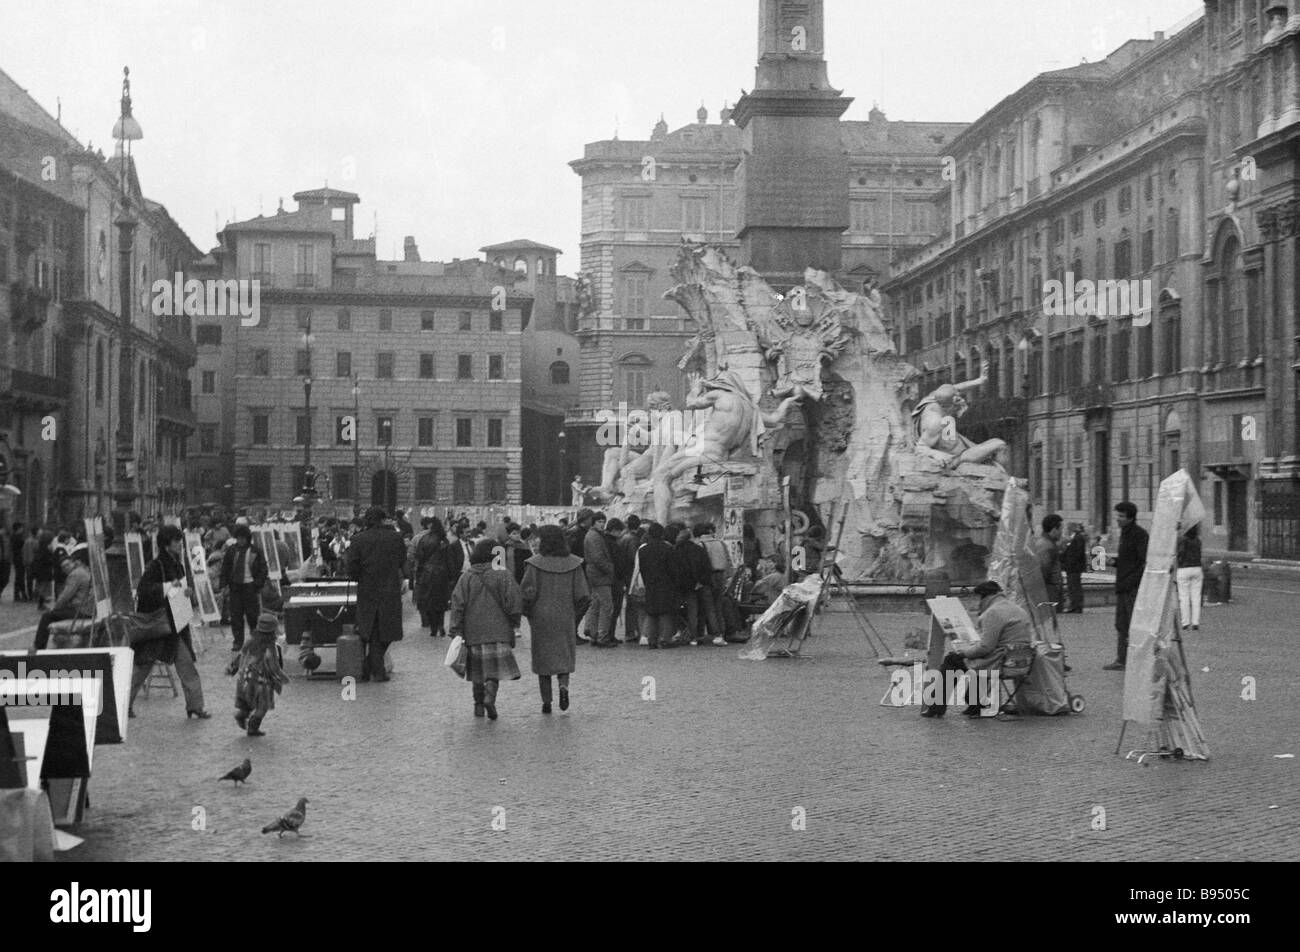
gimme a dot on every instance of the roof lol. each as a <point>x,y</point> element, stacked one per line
<point>321,194</point>
<point>895,138</point>
<point>521,244</point>
<point>356,246</point>
<point>17,102</point>
<point>313,218</point>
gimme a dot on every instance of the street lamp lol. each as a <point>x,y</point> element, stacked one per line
<point>126,130</point>
<point>308,497</point>
<point>356,443</point>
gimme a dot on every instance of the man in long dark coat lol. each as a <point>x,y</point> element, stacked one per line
<point>376,559</point>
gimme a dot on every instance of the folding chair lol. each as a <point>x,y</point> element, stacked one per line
<point>1012,673</point>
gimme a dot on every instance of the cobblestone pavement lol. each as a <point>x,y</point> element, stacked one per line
<point>718,765</point>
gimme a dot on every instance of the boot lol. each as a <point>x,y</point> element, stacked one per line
<point>564,692</point>
<point>490,699</point>
<point>544,682</point>
<point>478,700</point>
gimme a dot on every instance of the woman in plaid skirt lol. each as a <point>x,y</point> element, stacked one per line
<point>485,610</point>
<point>260,676</point>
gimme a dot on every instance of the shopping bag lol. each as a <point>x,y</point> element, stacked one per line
<point>636,588</point>
<point>457,656</point>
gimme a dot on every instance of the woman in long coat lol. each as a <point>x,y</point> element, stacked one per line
<point>434,578</point>
<point>555,597</point>
<point>177,648</point>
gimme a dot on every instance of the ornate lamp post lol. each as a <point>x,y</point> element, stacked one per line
<point>308,497</point>
<point>126,130</point>
<point>356,444</point>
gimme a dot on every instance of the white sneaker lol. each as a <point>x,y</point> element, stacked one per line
<point>695,644</point>
<point>644,641</point>
<point>720,641</point>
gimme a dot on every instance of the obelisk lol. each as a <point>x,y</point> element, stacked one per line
<point>794,176</point>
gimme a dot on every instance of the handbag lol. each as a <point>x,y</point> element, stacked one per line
<point>636,587</point>
<point>457,656</point>
<point>148,626</point>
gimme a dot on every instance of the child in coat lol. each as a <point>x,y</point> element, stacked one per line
<point>260,676</point>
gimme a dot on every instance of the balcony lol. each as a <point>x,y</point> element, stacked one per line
<point>37,391</point>
<point>1091,397</point>
<point>1236,377</point>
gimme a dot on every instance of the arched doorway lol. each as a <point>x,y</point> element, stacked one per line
<point>383,490</point>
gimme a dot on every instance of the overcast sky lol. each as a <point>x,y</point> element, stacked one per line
<point>454,120</point>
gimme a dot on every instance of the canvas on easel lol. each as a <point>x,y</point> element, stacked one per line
<point>1157,680</point>
<point>1013,564</point>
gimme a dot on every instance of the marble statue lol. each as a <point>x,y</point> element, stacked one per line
<point>646,441</point>
<point>936,419</point>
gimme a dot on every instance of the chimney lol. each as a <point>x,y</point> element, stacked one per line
<point>410,251</point>
<point>1160,36</point>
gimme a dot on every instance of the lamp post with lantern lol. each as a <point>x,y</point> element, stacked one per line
<point>126,130</point>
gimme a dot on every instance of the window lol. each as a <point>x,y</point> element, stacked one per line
<point>634,387</point>
<point>261,429</point>
<point>494,485</point>
<point>559,373</point>
<point>344,319</point>
<point>496,367</point>
<point>208,438</point>
<point>464,431</point>
<point>1124,201</point>
<point>209,383</point>
<point>259,482</point>
<point>305,266</point>
<point>692,215</point>
<point>466,320</point>
<point>541,267</point>
<point>1119,354</point>
<point>426,366</point>
<point>261,260</point>
<point>1171,234</point>
<point>1097,367</point>
<point>303,316</point>
<point>1078,489</point>
<point>341,428</point>
<point>1058,231</point>
<point>1149,189</point>
<point>208,335</point>
<point>302,429</point>
<point>302,363</point>
<point>1171,334</point>
<point>343,363</point>
<point>1123,256</point>
<point>261,363</point>
<point>463,486</point>
<point>384,431</point>
<point>1099,211</point>
<point>426,320</point>
<point>495,431</point>
<point>341,482</point>
<point>464,366</point>
<point>521,267</point>
<point>99,373</point>
<point>1148,249</point>
<point>862,215</point>
<point>635,213</point>
<point>1076,223</point>
<point>384,365</point>
<point>1145,351</point>
<point>424,431</point>
<point>426,485</point>
<point>496,320</point>
<point>385,321</point>
<point>918,218</point>
<point>1124,481</point>
<point>634,297</point>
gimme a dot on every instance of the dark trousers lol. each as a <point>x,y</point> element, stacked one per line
<point>951,662</point>
<point>632,618</point>
<point>617,593</point>
<point>544,685</point>
<point>1124,602</point>
<point>43,626</point>
<point>4,576</point>
<point>374,663</point>
<point>21,592</point>
<point>658,629</point>
<point>244,604</point>
<point>1074,591</point>
<point>1053,594</point>
<point>702,614</point>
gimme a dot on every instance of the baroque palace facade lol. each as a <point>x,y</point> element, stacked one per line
<point>1173,166</point>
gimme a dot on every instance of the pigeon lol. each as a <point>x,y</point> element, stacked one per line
<point>290,822</point>
<point>240,774</point>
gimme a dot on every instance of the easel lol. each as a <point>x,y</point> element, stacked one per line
<point>833,585</point>
<point>1156,654</point>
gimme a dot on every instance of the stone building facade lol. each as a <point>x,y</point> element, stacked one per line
<point>419,362</point>
<point>1171,167</point>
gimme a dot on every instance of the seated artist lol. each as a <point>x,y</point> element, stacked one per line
<point>1002,625</point>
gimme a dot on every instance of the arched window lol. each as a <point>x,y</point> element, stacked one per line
<point>500,263</point>
<point>560,373</point>
<point>1171,332</point>
<point>541,267</point>
<point>521,267</point>
<point>99,373</point>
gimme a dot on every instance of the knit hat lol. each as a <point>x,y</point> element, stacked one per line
<point>267,624</point>
<point>483,551</point>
